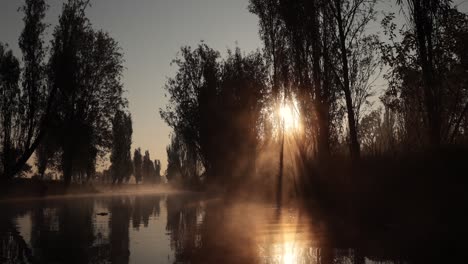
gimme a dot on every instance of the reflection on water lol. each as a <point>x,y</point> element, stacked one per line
<point>168,229</point>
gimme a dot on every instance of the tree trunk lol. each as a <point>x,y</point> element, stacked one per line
<point>431,93</point>
<point>353,137</point>
<point>279,187</point>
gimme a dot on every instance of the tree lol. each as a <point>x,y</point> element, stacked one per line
<point>147,168</point>
<point>177,172</point>
<point>157,171</point>
<point>427,74</point>
<point>85,68</point>
<point>10,107</point>
<point>196,80</point>
<point>137,165</point>
<point>349,19</point>
<point>212,104</point>
<point>121,161</point>
<point>35,98</point>
<point>427,18</point>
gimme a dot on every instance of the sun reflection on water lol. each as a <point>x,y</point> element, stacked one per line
<point>284,240</point>
<point>289,255</point>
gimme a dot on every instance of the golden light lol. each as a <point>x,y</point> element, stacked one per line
<point>289,116</point>
<point>289,254</point>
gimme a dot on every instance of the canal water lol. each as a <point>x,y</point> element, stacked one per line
<point>176,228</point>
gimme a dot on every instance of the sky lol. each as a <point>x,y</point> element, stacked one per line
<point>150,33</point>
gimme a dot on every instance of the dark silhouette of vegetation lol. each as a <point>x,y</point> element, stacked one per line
<point>63,109</point>
<point>137,165</point>
<point>85,68</point>
<point>427,91</point>
<point>320,57</point>
<point>25,107</point>
<point>213,102</point>
<point>150,170</point>
<point>121,159</point>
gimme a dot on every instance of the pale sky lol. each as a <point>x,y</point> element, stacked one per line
<point>150,33</point>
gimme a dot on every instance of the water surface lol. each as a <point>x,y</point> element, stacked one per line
<point>170,229</point>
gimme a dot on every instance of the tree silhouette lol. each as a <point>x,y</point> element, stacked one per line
<point>85,68</point>
<point>121,160</point>
<point>350,18</point>
<point>35,98</point>
<point>157,171</point>
<point>427,83</point>
<point>9,105</point>
<point>147,168</point>
<point>137,165</point>
<point>212,103</point>
<point>176,172</point>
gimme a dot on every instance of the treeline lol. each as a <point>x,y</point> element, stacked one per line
<point>63,101</point>
<point>321,57</point>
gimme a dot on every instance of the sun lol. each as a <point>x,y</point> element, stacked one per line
<point>289,116</point>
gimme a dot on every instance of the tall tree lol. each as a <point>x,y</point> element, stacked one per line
<point>428,91</point>
<point>429,23</point>
<point>196,80</point>
<point>148,168</point>
<point>157,171</point>
<point>85,68</point>
<point>121,159</point>
<point>215,103</point>
<point>10,107</point>
<point>137,165</point>
<point>349,19</point>
<point>34,86</point>
<point>36,99</point>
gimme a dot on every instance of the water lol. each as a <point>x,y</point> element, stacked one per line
<point>170,229</point>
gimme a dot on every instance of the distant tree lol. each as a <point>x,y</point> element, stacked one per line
<point>85,68</point>
<point>157,171</point>
<point>370,132</point>
<point>137,165</point>
<point>121,158</point>
<point>175,155</point>
<point>148,168</point>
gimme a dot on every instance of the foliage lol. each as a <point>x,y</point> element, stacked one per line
<point>26,107</point>
<point>85,68</point>
<point>121,161</point>
<point>212,103</point>
<point>429,94</point>
<point>137,165</point>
